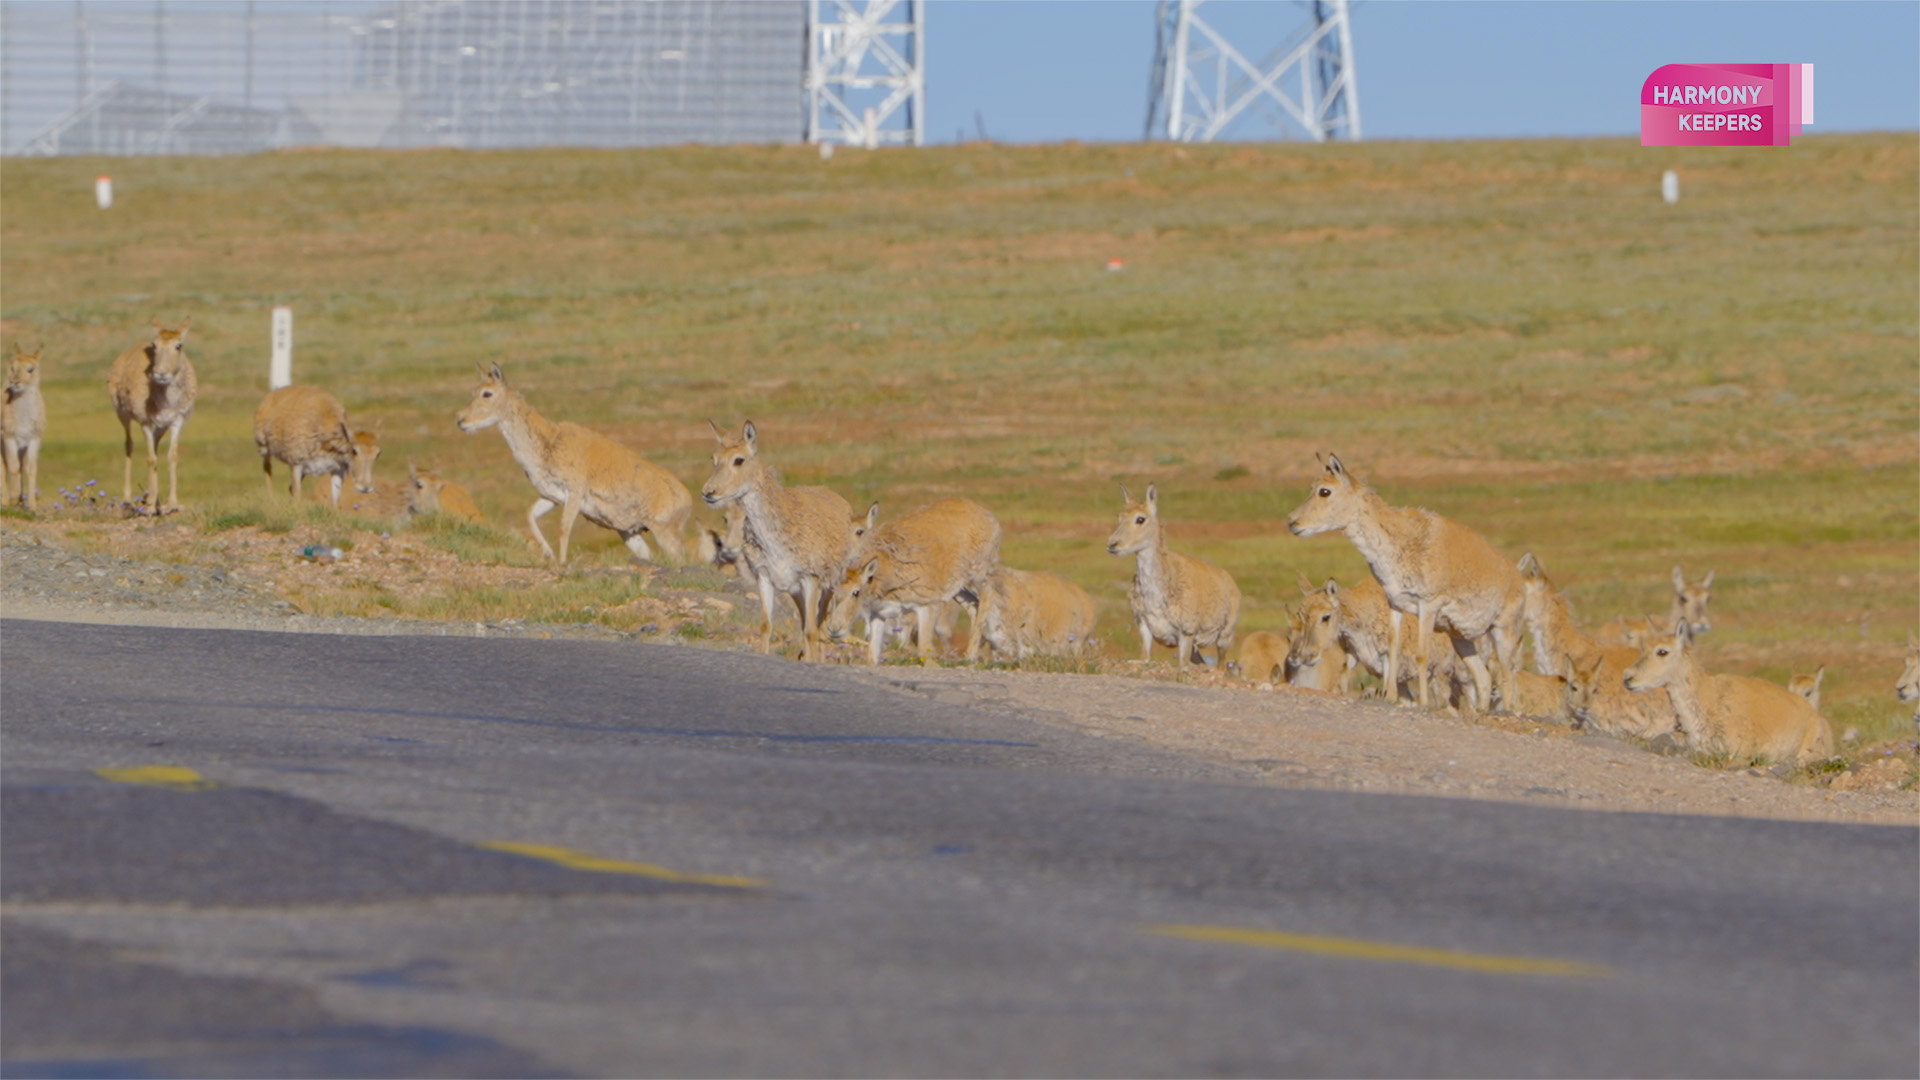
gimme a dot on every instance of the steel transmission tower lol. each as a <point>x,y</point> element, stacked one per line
<point>866,72</point>
<point>1201,82</point>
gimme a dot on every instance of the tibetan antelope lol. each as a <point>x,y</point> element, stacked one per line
<point>1560,649</point>
<point>583,472</point>
<point>1731,714</point>
<point>1027,613</point>
<point>795,540</point>
<point>23,422</point>
<point>430,493</point>
<point>1689,603</point>
<point>1808,686</point>
<point>1908,688</point>
<point>1179,600</point>
<point>1442,573</point>
<point>916,563</point>
<point>305,427</point>
<point>154,386</point>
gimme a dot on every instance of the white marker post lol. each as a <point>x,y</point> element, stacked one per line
<point>280,369</point>
<point>103,191</point>
<point>1670,187</point>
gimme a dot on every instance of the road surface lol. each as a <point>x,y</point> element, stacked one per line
<point>237,853</point>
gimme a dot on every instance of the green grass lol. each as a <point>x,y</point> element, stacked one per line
<point>1518,334</point>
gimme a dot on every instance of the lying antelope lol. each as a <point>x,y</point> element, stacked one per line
<point>1808,686</point>
<point>1731,714</point>
<point>1437,570</point>
<point>305,427</point>
<point>1027,613</point>
<point>915,563</point>
<point>1264,657</point>
<point>154,386</point>
<point>430,493</point>
<point>583,472</point>
<point>1179,600</point>
<point>23,422</point>
<point>1689,603</point>
<point>795,540</point>
<point>1316,658</point>
<point>1561,650</point>
<point>1538,695</point>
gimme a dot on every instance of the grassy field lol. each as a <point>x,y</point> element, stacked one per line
<point>1520,335</point>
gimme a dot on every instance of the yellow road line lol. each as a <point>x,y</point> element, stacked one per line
<point>580,860</point>
<point>1361,949</point>
<point>174,777</point>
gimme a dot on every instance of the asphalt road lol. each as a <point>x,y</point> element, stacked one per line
<point>229,853</point>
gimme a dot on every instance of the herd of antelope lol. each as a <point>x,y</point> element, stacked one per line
<point>1443,615</point>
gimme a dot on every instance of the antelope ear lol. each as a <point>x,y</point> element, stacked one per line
<point>1819,675</point>
<point>155,321</point>
<point>186,324</point>
<point>1332,588</point>
<point>1153,499</point>
<point>1125,496</point>
<point>1707,582</point>
<point>497,374</point>
<point>873,516</point>
<point>1682,633</point>
<point>752,435</point>
<point>873,567</point>
<point>1334,466</point>
<point>1527,564</point>
<point>718,435</point>
<point>1679,580</point>
<point>1306,586</point>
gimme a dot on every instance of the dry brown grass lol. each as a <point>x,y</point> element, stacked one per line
<point>1519,335</point>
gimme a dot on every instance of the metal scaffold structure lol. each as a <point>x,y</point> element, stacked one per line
<point>159,77</point>
<point>1202,83</point>
<point>866,72</point>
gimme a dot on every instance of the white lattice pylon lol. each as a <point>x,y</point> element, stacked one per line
<point>1202,82</point>
<point>866,72</point>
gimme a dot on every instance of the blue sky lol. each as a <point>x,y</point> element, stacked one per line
<point>1047,70</point>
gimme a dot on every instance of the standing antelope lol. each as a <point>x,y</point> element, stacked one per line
<point>915,563</point>
<point>23,422</point>
<point>1732,714</point>
<point>583,472</point>
<point>1437,570</point>
<point>305,427</point>
<point>1689,603</point>
<point>1364,623</point>
<point>154,386</point>
<point>1599,698</point>
<point>1033,613</point>
<point>1908,688</point>
<point>795,539</point>
<point>1178,600</point>
<point>428,492</point>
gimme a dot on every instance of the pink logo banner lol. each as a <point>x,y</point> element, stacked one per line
<point>1725,104</point>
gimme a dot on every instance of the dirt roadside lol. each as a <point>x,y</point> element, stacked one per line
<point>1283,737</point>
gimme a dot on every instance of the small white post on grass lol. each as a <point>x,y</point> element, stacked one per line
<point>1670,187</point>
<point>103,191</point>
<point>280,370</point>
